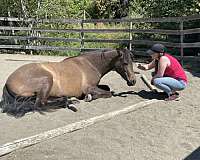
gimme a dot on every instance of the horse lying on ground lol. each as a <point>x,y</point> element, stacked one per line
<point>30,86</point>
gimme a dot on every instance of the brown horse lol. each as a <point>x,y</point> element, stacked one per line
<point>30,86</point>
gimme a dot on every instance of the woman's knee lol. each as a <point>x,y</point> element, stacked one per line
<point>156,81</point>
<point>182,87</point>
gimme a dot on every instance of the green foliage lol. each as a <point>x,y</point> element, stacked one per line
<point>11,6</point>
<point>99,8</point>
<point>62,8</point>
<point>109,9</point>
<point>168,8</point>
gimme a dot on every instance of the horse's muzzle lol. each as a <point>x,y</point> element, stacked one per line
<point>131,83</point>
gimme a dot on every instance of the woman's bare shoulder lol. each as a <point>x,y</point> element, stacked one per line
<point>165,60</point>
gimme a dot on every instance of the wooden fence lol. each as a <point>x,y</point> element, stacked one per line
<point>31,26</point>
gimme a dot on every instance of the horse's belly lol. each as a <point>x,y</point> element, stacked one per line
<point>69,91</point>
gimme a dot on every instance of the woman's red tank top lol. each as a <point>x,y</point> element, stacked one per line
<point>175,69</point>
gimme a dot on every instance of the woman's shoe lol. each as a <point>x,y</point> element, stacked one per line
<point>176,93</point>
<point>172,97</point>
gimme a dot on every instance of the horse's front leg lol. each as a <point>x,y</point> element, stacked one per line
<point>94,92</point>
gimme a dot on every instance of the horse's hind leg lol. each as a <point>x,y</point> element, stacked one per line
<point>69,104</point>
<point>95,93</point>
<point>43,91</point>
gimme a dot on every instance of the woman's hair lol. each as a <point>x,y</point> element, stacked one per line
<point>161,54</point>
<point>157,61</point>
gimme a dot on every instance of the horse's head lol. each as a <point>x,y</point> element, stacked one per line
<point>124,66</point>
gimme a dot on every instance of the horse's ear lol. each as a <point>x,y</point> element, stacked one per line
<point>119,51</point>
<point>132,56</point>
<point>125,57</point>
<point>127,51</point>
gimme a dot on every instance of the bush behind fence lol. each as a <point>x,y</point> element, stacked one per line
<point>71,37</point>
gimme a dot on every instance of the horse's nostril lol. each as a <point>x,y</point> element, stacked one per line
<point>134,82</point>
<point>131,83</point>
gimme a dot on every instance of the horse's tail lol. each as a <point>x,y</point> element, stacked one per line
<point>15,105</point>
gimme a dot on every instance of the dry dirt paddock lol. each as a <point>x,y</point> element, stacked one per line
<point>161,131</point>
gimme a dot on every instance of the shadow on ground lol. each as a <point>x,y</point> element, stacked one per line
<point>143,94</point>
<point>195,155</point>
<point>192,65</point>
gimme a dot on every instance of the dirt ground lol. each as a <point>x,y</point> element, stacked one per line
<point>161,131</point>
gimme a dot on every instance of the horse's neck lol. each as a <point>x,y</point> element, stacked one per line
<point>103,61</point>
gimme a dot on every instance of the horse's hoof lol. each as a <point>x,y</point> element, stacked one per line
<point>88,98</point>
<point>72,107</point>
<point>74,101</point>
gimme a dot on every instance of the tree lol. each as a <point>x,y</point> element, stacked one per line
<point>168,8</point>
<point>109,9</point>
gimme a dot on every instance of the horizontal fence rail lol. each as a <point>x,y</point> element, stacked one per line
<point>134,20</point>
<point>35,33</point>
<point>161,31</point>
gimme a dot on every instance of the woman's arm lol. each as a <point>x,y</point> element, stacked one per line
<point>147,66</point>
<point>162,65</point>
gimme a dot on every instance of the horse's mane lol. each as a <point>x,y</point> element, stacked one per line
<point>86,53</point>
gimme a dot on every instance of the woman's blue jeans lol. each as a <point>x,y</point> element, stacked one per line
<point>169,85</point>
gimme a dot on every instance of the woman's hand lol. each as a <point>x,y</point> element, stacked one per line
<point>142,67</point>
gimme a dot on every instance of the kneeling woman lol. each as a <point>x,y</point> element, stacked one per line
<point>169,74</point>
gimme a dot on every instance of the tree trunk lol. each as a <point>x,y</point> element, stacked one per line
<point>24,10</point>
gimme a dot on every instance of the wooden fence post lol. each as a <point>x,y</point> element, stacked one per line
<point>82,33</point>
<point>130,35</point>
<point>181,40</point>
